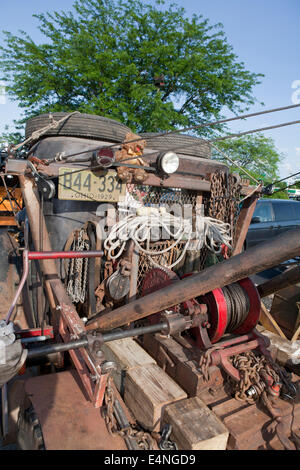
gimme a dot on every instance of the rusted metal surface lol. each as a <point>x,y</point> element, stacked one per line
<point>286,279</point>
<point>20,286</point>
<point>249,425</point>
<point>9,280</point>
<point>192,173</point>
<point>89,370</point>
<point>243,223</point>
<point>256,259</point>
<point>68,420</point>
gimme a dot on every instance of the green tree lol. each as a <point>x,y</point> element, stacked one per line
<point>149,67</point>
<point>256,153</point>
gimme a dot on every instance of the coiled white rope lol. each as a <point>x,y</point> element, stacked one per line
<point>139,227</point>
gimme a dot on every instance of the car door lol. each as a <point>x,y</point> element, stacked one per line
<point>285,216</point>
<point>262,224</point>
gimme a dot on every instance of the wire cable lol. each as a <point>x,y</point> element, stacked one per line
<point>230,136</point>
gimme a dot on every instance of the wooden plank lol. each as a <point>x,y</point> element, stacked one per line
<point>148,390</point>
<point>243,223</point>
<point>269,322</point>
<point>297,326</point>
<point>195,426</point>
<point>128,355</point>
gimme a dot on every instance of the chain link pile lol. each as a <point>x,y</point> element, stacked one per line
<point>143,439</point>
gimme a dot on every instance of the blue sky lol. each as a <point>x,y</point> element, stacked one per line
<point>264,35</point>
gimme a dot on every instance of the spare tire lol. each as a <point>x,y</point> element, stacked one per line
<point>79,125</point>
<point>180,143</point>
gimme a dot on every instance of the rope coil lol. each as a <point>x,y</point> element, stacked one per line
<point>140,227</point>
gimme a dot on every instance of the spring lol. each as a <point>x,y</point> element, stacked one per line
<point>238,305</point>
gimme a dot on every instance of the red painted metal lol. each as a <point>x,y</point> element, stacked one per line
<point>41,255</point>
<point>156,279</point>
<point>33,332</point>
<point>217,309</point>
<point>236,346</point>
<point>38,255</point>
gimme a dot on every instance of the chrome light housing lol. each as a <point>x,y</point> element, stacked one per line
<point>167,163</point>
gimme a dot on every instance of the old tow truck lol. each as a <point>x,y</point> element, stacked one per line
<point>134,307</point>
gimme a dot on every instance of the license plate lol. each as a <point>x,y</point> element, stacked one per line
<point>88,185</point>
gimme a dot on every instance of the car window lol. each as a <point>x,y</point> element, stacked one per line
<point>264,211</point>
<point>284,211</point>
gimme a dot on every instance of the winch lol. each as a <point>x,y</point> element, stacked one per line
<point>233,309</point>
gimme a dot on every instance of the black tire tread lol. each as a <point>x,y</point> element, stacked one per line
<point>180,143</point>
<point>79,125</point>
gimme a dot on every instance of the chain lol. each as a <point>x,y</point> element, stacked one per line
<point>143,439</point>
<point>205,362</point>
<point>254,372</point>
<point>224,198</point>
<point>78,270</point>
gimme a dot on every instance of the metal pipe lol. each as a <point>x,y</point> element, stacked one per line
<point>286,279</point>
<point>20,286</point>
<point>114,335</point>
<point>105,338</point>
<point>43,255</point>
<point>258,258</point>
<point>53,348</point>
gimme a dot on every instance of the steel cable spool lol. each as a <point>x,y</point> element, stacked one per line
<point>238,305</point>
<point>233,309</point>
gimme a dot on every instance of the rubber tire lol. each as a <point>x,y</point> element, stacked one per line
<point>80,125</point>
<point>180,143</point>
<point>30,436</point>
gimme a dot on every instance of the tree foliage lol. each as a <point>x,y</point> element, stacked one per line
<point>255,153</point>
<point>149,67</point>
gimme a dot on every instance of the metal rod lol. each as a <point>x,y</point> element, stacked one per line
<point>124,423</point>
<point>4,406</point>
<point>20,287</point>
<point>42,255</point>
<point>83,342</point>
<point>114,335</point>
<point>53,348</point>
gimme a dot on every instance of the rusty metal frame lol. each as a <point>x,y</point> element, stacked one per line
<point>66,321</point>
<point>94,382</point>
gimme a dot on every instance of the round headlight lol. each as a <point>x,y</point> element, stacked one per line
<point>168,162</point>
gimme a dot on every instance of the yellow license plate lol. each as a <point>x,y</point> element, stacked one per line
<point>89,186</point>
